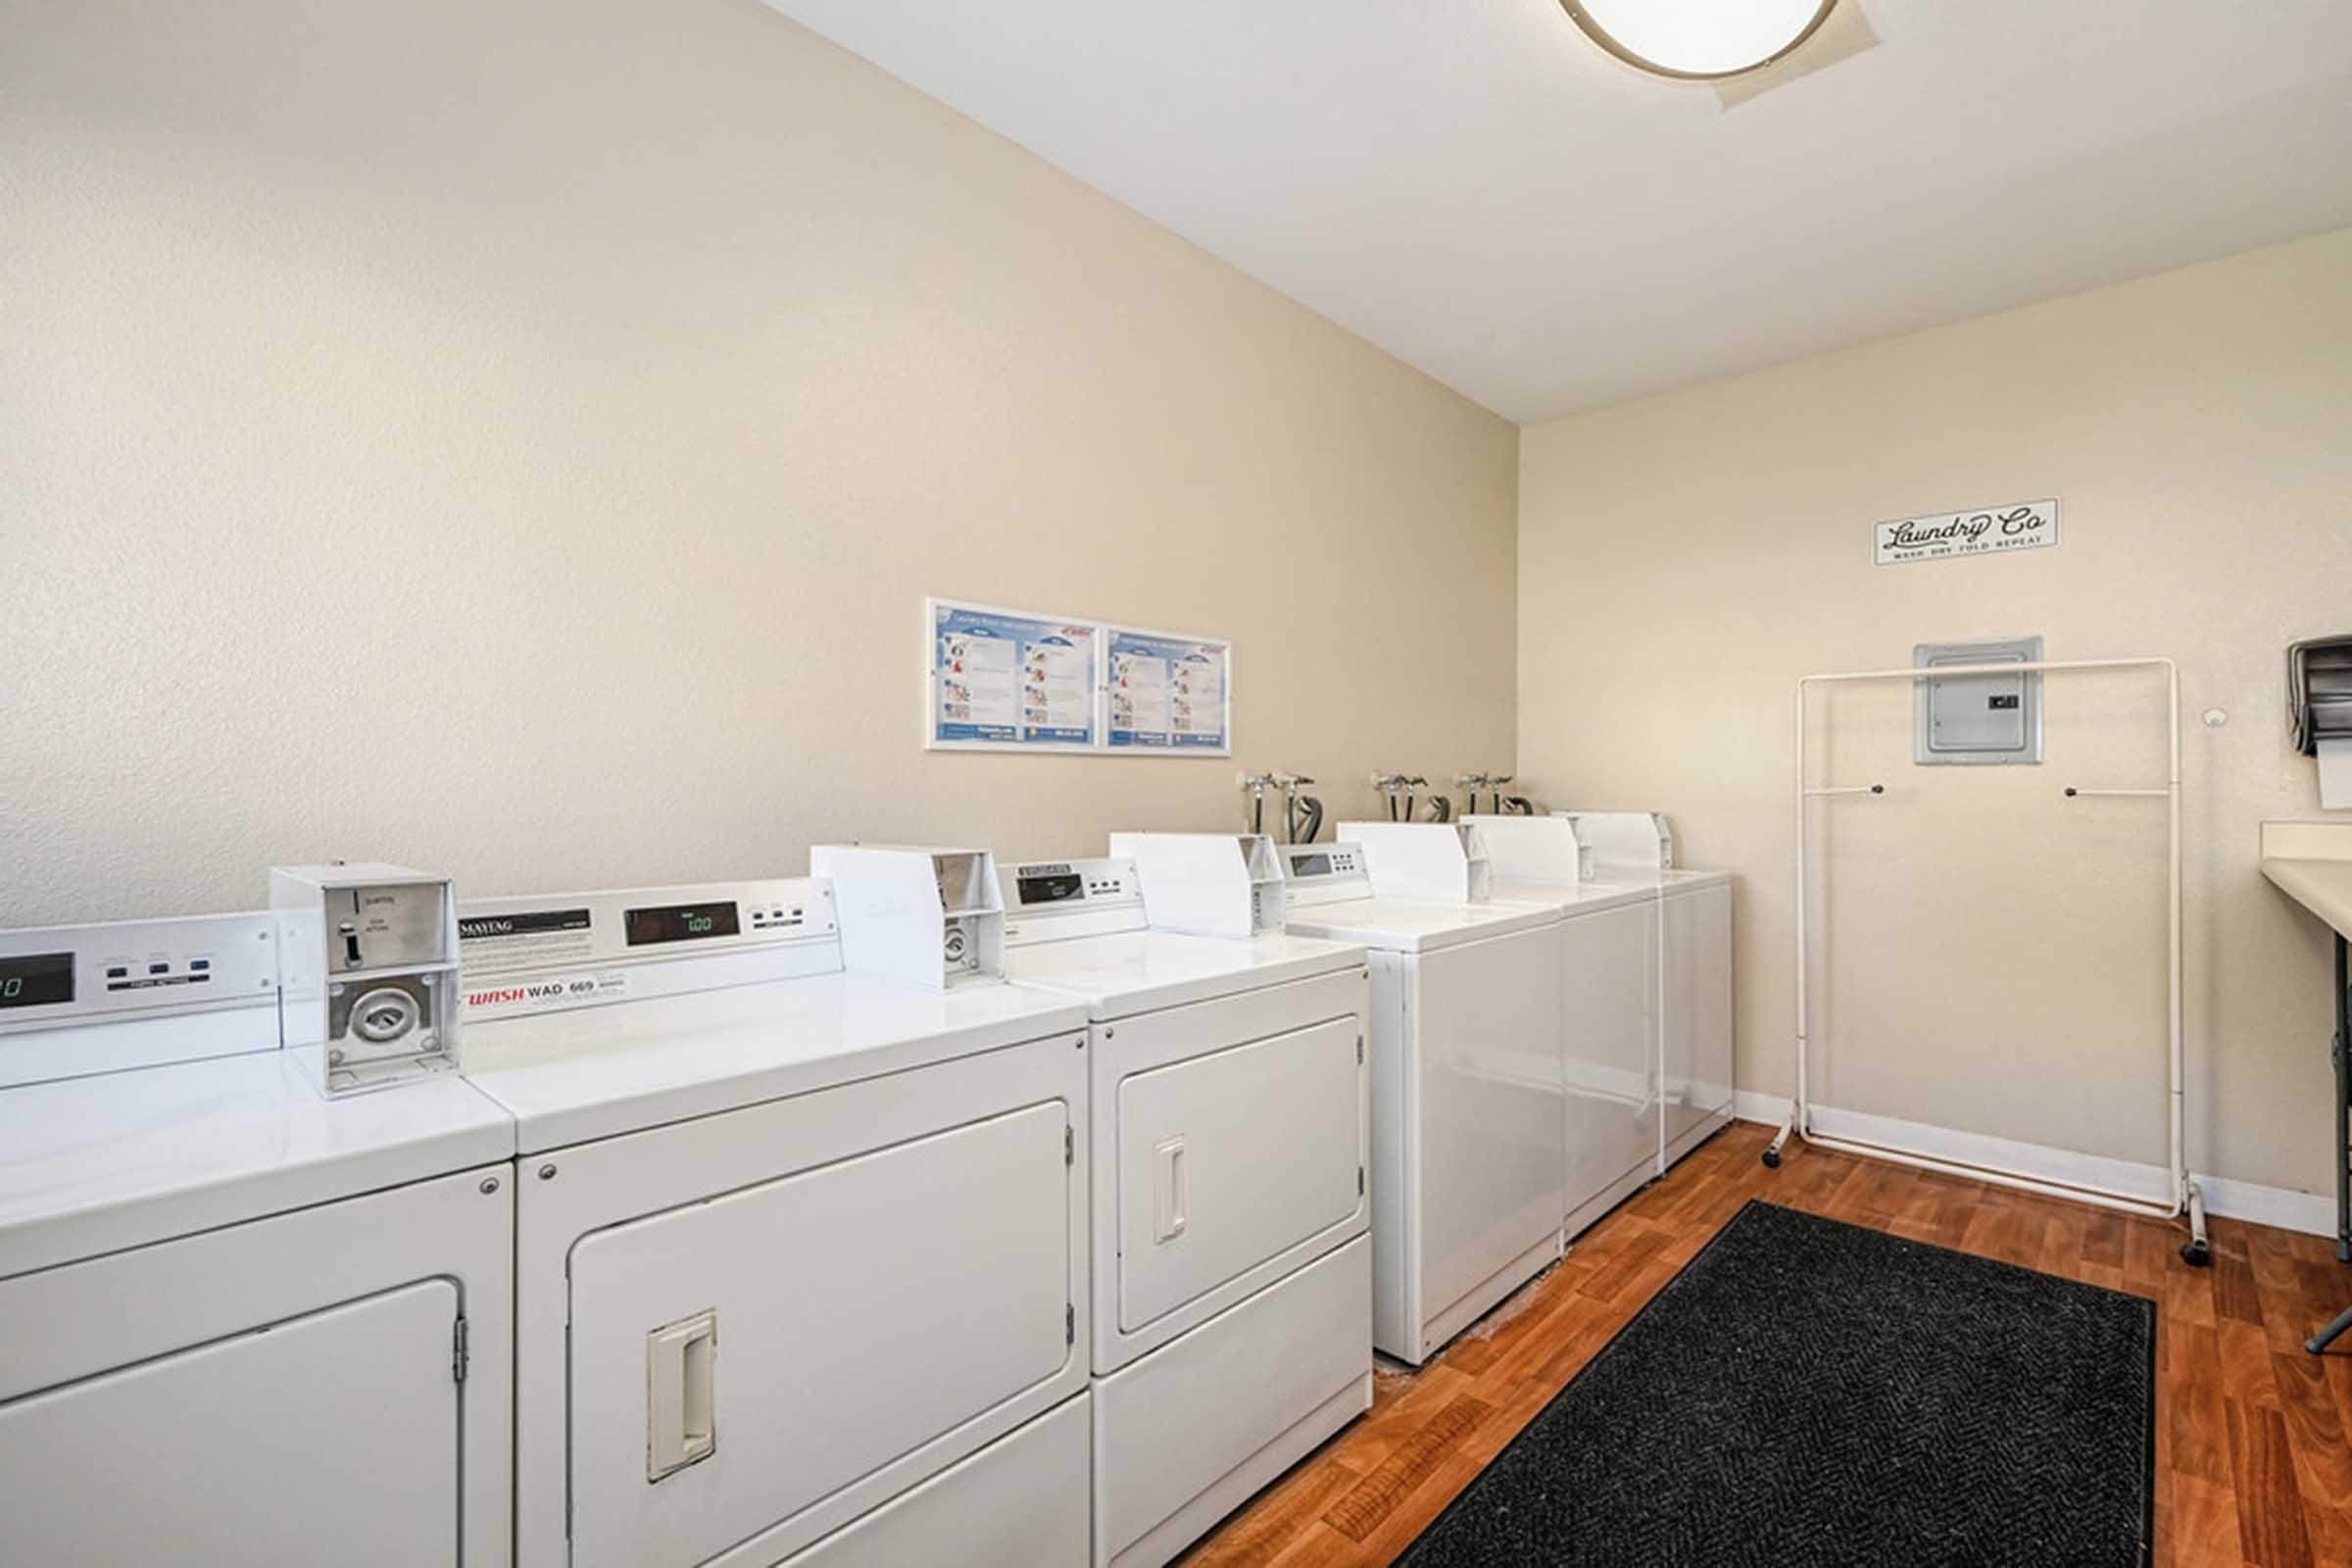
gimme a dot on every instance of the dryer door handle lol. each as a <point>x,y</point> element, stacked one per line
<point>1168,1191</point>
<point>681,1424</point>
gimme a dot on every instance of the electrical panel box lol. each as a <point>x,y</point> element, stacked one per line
<point>1988,718</point>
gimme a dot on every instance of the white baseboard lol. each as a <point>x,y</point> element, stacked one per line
<point>2313,1213</point>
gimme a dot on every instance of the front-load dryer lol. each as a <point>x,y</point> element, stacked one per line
<point>1232,1271</point>
<point>800,1248</point>
<point>1467,1105</point>
<point>240,1321</point>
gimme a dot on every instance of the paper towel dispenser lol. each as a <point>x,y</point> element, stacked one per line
<point>2319,699</point>
<point>2318,691</point>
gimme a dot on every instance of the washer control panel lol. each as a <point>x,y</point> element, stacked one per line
<point>1054,899</point>
<point>538,952</point>
<point>70,974</point>
<point>1325,873</point>
<point>1058,884</point>
<point>564,930</point>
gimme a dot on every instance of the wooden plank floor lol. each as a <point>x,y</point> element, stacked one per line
<point>2252,1464</point>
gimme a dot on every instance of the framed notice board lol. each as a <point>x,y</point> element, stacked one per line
<point>1169,693</point>
<point>1011,680</point>
<point>1019,680</point>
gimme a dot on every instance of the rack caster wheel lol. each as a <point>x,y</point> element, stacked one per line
<point>1772,1159</point>
<point>2197,1254</point>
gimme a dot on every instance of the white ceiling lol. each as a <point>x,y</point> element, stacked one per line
<point>1475,187</point>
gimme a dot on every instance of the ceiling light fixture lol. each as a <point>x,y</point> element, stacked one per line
<point>1699,40</point>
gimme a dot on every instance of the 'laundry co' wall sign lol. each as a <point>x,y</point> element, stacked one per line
<point>1945,535</point>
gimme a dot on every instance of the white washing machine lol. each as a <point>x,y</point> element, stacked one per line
<point>1646,961</point>
<point>1233,1318</point>
<point>240,1321</point>
<point>1468,1124</point>
<point>1694,968</point>
<point>1611,1007</point>
<point>800,1251</point>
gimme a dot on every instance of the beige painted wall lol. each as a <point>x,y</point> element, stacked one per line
<point>1994,954</point>
<point>516,439</point>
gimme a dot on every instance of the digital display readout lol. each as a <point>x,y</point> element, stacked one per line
<point>39,980</point>
<point>1053,887</point>
<point>1311,865</point>
<point>679,922</point>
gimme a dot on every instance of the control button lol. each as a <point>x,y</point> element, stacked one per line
<point>200,965</point>
<point>158,968</point>
<point>115,971</point>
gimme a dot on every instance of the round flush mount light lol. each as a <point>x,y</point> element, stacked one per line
<point>1699,40</point>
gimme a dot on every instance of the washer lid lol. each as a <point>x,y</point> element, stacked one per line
<point>571,1076</point>
<point>1128,972</point>
<point>94,1165</point>
<point>1573,899</point>
<point>1416,925</point>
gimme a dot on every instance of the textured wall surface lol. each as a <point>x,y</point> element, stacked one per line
<point>1990,954</point>
<point>517,440</point>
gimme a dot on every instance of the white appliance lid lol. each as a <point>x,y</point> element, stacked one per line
<point>572,1076</point>
<point>1123,973</point>
<point>1579,897</point>
<point>92,1165</point>
<point>1417,925</point>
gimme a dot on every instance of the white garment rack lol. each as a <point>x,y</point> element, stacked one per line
<point>2185,1198</point>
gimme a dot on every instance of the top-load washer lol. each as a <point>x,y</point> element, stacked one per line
<point>1467,1119</point>
<point>1646,959</point>
<point>1695,969</point>
<point>1611,1005</point>
<point>800,1242</point>
<point>242,1319</point>
<point>1232,1329</point>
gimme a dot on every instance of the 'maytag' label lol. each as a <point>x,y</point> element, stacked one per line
<point>527,939</point>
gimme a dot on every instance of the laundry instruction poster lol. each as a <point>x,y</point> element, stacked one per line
<point>1169,693</point>
<point>1003,678</point>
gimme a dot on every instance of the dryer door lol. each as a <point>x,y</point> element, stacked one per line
<point>1228,1160</point>
<point>245,1449</point>
<point>737,1359</point>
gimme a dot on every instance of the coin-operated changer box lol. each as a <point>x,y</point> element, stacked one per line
<point>370,960</point>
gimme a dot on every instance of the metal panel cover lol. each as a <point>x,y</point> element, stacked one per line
<point>1978,720</point>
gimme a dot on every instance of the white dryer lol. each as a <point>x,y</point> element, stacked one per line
<point>1467,1120</point>
<point>800,1251</point>
<point>1232,1272</point>
<point>240,1321</point>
